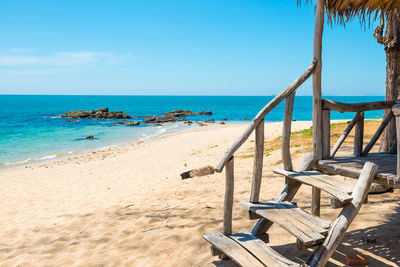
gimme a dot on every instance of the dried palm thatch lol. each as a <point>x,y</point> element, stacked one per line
<point>341,11</point>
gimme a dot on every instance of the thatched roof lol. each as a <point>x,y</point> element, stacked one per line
<point>342,10</point>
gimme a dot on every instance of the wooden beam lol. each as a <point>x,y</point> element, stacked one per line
<point>326,134</point>
<point>263,112</point>
<point>378,133</point>
<point>343,221</point>
<point>228,201</point>
<point>344,134</point>
<point>286,131</point>
<point>359,135</point>
<point>396,112</point>
<point>317,104</point>
<point>258,163</point>
<point>356,107</point>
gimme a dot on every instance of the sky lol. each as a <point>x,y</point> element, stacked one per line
<point>185,47</point>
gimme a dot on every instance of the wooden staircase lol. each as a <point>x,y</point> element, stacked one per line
<point>250,248</point>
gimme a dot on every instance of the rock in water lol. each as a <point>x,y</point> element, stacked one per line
<point>178,113</point>
<point>198,172</point>
<point>90,137</point>
<point>118,122</point>
<point>203,113</point>
<point>96,114</point>
<point>134,123</point>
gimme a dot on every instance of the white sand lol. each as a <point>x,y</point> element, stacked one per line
<point>127,206</point>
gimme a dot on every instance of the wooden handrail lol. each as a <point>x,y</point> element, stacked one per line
<point>263,112</point>
<point>356,107</point>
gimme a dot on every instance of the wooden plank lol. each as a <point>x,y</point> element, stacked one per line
<point>228,200</point>
<point>356,107</point>
<point>317,103</point>
<point>326,134</point>
<point>258,163</point>
<point>359,136</point>
<point>303,177</point>
<point>286,131</point>
<point>262,251</point>
<point>263,112</point>
<point>233,250</point>
<point>333,180</point>
<point>384,178</point>
<point>287,194</point>
<point>378,133</point>
<point>279,214</point>
<point>341,224</point>
<point>344,134</point>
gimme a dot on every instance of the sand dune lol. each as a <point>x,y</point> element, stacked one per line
<point>127,206</point>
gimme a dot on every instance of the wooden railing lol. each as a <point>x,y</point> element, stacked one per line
<point>357,121</point>
<point>257,124</point>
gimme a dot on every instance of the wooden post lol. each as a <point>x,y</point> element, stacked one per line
<point>258,163</point>
<point>317,104</point>
<point>359,135</point>
<point>326,133</point>
<point>286,131</point>
<point>228,201</point>
<point>396,112</point>
<point>316,201</point>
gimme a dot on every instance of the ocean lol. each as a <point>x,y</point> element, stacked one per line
<point>31,129</point>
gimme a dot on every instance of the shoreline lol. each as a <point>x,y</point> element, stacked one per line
<point>68,154</point>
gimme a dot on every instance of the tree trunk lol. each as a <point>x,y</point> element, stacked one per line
<point>391,40</point>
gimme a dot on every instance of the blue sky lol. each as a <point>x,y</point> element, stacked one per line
<point>170,47</point>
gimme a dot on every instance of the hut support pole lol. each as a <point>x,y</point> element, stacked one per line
<point>317,103</point>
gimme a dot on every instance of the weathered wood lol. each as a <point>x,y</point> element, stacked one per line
<point>339,227</point>
<point>378,133</point>
<point>286,131</point>
<point>258,163</point>
<point>356,107</point>
<point>359,135</point>
<point>262,251</point>
<point>326,134</point>
<point>228,201</point>
<point>263,112</point>
<point>334,189</point>
<point>317,104</point>
<point>396,112</point>
<point>286,216</point>
<point>287,194</point>
<point>232,249</point>
<point>333,180</point>
<point>316,201</point>
<point>344,134</point>
<point>351,166</point>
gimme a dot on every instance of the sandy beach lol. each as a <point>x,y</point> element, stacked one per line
<point>128,206</point>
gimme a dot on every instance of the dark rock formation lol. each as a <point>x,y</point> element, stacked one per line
<point>221,122</point>
<point>246,119</point>
<point>90,137</point>
<point>97,114</point>
<point>225,119</point>
<point>118,122</point>
<point>160,119</point>
<point>178,113</point>
<point>203,113</point>
<point>134,123</point>
<point>212,121</point>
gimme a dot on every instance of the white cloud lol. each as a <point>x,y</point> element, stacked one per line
<point>13,58</point>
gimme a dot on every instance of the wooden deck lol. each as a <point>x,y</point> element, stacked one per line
<point>351,166</point>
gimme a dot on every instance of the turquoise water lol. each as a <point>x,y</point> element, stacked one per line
<point>31,130</point>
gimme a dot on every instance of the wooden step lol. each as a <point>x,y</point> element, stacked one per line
<point>308,229</point>
<point>247,250</point>
<point>336,187</point>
